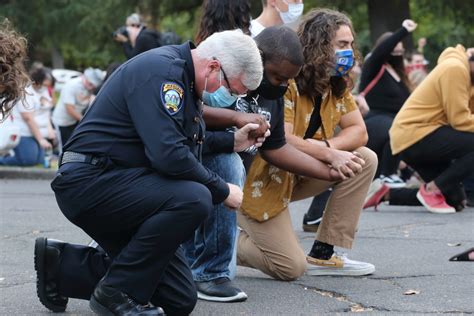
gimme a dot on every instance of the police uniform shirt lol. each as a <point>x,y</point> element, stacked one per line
<point>148,115</point>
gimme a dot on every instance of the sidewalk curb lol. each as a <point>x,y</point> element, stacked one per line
<point>27,173</point>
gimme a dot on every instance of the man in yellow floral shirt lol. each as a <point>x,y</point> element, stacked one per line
<point>267,241</point>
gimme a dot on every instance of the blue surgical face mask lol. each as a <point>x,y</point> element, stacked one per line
<point>221,98</point>
<point>344,62</point>
<point>295,10</point>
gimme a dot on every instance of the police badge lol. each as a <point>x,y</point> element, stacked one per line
<point>172,97</point>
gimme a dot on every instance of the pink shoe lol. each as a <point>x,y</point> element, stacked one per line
<point>434,201</point>
<point>376,192</point>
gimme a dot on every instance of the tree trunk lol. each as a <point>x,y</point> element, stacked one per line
<point>57,59</point>
<point>387,16</point>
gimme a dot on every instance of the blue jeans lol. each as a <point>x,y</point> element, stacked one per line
<point>27,153</point>
<point>211,252</point>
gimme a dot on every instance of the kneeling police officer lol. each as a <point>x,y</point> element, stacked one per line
<point>131,178</point>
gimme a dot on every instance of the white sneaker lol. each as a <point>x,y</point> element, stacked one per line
<point>393,181</point>
<point>93,244</point>
<point>338,265</point>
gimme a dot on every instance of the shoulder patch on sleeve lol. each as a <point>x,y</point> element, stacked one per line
<point>172,97</point>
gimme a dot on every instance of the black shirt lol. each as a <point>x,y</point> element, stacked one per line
<point>146,40</point>
<point>387,95</point>
<point>148,115</point>
<point>272,110</point>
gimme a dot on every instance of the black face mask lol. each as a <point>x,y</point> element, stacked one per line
<point>395,61</point>
<point>269,91</point>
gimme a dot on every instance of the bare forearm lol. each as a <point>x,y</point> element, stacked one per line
<point>223,118</point>
<point>30,121</point>
<point>350,138</point>
<point>219,118</point>
<point>50,128</point>
<point>317,152</point>
<point>72,112</point>
<point>291,159</point>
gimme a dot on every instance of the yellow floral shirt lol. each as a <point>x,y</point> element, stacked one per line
<point>267,190</point>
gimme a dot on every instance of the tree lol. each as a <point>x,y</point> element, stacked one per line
<point>79,31</point>
<point>74,29</point>
<point>386,16</point>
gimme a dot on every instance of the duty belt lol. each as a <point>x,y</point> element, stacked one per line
<point>70,156</point>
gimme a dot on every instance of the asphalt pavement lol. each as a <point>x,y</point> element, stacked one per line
<point>409,246</point>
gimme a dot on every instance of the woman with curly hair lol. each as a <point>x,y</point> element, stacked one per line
<point>316,103</point>
<point>13,76</point>
<point>223,15</point>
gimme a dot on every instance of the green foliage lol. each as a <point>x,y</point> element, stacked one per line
<point>81,29</point>
<point>181,23</point>
<point>443,23</point>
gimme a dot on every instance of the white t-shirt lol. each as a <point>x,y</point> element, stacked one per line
<point>72,93</point>
<point>38,103</point>
<point>255,28</point>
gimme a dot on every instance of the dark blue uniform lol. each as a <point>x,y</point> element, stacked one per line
<point>149,191</point>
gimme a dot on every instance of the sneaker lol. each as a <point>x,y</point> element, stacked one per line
<point>311,225</point>
<point>393,181</point>
<point>338,265</point>
<point>414,182</point>
<point>434,201</point>
<point>220,290</point>
<point>463,256</point>
<point>93,244</point>
<point>377,190</point>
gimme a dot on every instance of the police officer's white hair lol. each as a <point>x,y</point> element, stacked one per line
<point>238,55</point>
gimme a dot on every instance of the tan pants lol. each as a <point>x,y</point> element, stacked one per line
<point>272,246</point>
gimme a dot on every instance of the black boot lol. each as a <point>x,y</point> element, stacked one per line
<point>109,301</point>
<point>47,256</point>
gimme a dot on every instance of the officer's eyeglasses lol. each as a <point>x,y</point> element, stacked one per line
<point>232,93</point>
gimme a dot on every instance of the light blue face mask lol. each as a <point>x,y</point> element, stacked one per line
<point>221,98</point>
<point>295,10</point>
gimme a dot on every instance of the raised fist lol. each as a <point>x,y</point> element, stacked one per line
<point>409,25</point>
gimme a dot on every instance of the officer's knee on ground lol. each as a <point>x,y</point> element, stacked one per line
<point>187,306</point>
<point>184,306</point>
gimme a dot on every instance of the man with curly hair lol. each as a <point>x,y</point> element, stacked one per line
<point>13,76</point>
<point>316,102</point>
